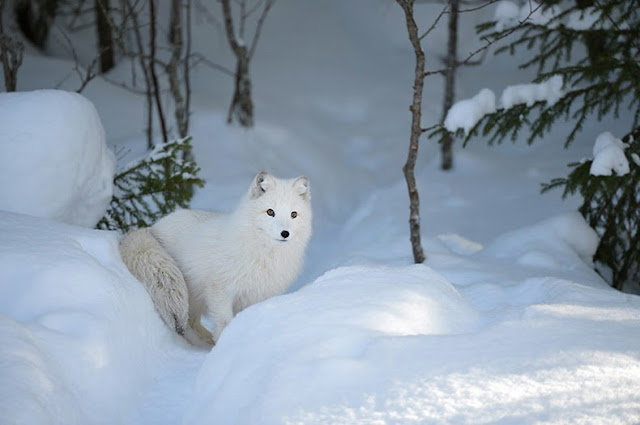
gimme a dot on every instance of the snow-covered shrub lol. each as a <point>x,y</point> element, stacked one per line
<point>601,83</point>
<point>152,187</point>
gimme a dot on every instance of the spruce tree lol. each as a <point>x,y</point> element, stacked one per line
<point>601,83</point>
<point>152,187</point>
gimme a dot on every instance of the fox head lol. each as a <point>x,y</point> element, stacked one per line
<point>281,209</point>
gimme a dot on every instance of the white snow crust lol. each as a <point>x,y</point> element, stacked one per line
<point>54,161</point>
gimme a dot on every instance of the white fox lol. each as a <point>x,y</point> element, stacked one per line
<point>196,263</point>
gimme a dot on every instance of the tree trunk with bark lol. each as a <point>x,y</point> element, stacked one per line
<point>11,52</point>
<point>241,107</point>
<point>35,20</point>
<point>416,131</point>
<point>449,82</point>
<point>105,35</point>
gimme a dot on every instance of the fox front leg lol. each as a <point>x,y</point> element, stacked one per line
<point>221,321</point>
<point>221,312</point>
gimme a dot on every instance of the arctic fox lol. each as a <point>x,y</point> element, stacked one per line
<point>196,263</point>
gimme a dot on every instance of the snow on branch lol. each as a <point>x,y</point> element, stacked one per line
<point>608,156</point>
<point>549,91</point>
<point>466,113</point>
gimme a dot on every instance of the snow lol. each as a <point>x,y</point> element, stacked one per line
<point>506,322</point>
<point>509,14</point>
<point>466,113</point>
<point>506,15</point>
<point>74,323</point>
<point>549,91</point>
<point>54,161</point>
<point>608,156</point>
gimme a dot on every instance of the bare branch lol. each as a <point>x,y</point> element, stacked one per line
<point>444,11</point>
<point>199,58</point>
<point>486,46</point>
<point>256,34</point>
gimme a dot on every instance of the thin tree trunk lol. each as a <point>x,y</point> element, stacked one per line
<point>449,85</point>
<point>152,70</point>
<point>145,70</point>
<point>11,52</point>
<point>35,21</point>
<point>241,107</point>
<point>105,35</point>
<point>177,45</point>
<point>416,131</point>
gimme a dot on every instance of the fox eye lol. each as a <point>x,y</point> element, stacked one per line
<point>271,213</point>
<point>294,214</point>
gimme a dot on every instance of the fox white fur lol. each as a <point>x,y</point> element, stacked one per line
<point>198,263</point>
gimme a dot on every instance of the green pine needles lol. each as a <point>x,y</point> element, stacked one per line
<point>151,188</point>
<point>611,206</point>
<point>594,46</point>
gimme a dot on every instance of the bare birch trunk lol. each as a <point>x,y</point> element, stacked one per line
<point>416,131</point>
<point>241,107</point>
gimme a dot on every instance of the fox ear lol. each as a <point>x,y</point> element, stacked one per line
<point>301,185</point>
<point>261,183</point>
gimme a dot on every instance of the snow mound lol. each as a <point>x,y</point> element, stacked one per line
<point>549,91</point>
<point>74,322</point>
<point>54,161</point>
<point>466,113</point>
<point>301,345</point>
<point>608,156</point>
<point>558,243</point>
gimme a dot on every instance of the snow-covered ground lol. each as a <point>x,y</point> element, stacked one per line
<point>506,322</point>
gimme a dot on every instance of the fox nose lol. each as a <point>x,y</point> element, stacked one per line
<point>284,234</point>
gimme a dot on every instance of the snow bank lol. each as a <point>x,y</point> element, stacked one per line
<point>312,347</point>
<point>398,345</point>
<point>79,338</point>
<point>80,342</point>
<point>554,243</point>
<point>466,113</point>
<point>608,156</point>
<point>549,91</point>
<point>54,161</point>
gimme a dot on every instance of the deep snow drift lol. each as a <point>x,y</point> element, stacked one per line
<point>506,322</point>
<point>54,161</point>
